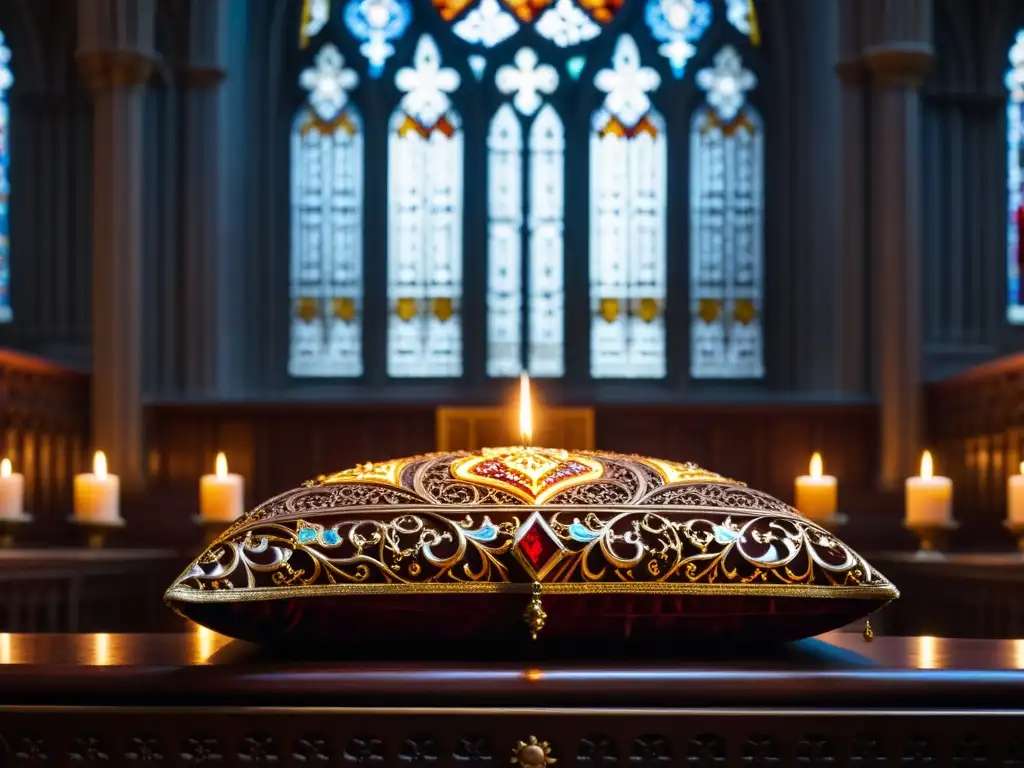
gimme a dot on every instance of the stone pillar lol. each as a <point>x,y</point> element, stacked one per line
<point>115,56</point>
<point>850,344</point>
<point>200,77</point>
<point>898,63</point>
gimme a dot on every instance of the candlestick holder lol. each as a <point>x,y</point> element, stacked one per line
<point>1016,529</point>
<point>9,526</point>
<point>211,528</point>
<point>934,536</point>
<point>832,523</point>
<point>95,532</point>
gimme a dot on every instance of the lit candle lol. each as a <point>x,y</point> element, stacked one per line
<point>525,410</point>
<point>97,493</point>
<point>220,494</point>
<point>1015,497</point>
<point>12,493</point>
<point>929,499</point>
<point>816,493</point>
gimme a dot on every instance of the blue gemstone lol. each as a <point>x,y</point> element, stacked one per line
<point>331,538</point>
<point>307,535</point>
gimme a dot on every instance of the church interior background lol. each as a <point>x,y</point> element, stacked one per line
<point>307,234</point>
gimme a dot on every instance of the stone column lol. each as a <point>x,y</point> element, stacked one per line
<point>200,78</point>
<point>115,56</point>
<point>898,64</point>
<point>850,344</point>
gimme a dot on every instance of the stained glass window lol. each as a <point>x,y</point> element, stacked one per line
<point>376,23</point>
<point>425,221</point>
<point>327,224</point>
<point>564,22</point>
<point>678,25</point>
<point>1015,180</point>
<point>6,81</point>
<point>527,81</point>
<point>627,222</point>
<point>726,225</point>
<point>741,14</point>
<point>315,14</point>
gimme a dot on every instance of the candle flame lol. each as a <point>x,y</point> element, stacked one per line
<point>99,464</point>
<point>1022,467</point>
<point>927,652</point>
<point>220,466</point>
<point>525,410</point>
<point>815,469</point>
<point>5,468</point>
<point>927,468</point>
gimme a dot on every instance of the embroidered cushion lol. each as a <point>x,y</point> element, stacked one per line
<point>520,548</point>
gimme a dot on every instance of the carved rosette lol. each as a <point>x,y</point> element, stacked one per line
<point>530,521</point>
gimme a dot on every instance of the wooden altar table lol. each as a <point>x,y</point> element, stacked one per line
<point>198,698</point>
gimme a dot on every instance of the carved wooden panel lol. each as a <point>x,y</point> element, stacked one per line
<point>488,738</point>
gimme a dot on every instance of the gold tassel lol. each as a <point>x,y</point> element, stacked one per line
<point>535,615</point>
<point>755,30</point>
<point>869,633</point>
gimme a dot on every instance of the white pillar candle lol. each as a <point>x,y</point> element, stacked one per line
<point>929,499</point>
<point>97,493</point>
<point>1015,497</point>
<point>220,494</point>
<point>816,493</point>
<point>12,492</point>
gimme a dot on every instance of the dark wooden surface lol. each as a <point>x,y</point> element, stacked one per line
<point>197,698</point>
<point>839,669</point>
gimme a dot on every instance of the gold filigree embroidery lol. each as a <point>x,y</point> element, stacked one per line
<point>533,475</point>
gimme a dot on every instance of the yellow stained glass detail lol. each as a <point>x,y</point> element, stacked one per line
<point>708,310</point>
<point>608,309</point>
<point>344,308</point>
<point>647,310</point>
<point>306,309</point>
<point>442,308</point>
<point>744,312</point>
<point>405,309</point>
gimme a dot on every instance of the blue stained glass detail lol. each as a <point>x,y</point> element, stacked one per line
<point>574,66</point>
<point>478,65</point>
<point>376,23</point>
<point>677,25</point>
<point>306,535</point>
<point>6,81</point>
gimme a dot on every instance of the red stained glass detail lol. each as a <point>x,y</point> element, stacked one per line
<point>537,546</point>
<point>449,9</point>
<point>527,10</point>
<point>601,10</point>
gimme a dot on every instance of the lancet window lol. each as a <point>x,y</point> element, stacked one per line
<point>527,172</point>
<point>1015,180</point>
<point>6,81</point>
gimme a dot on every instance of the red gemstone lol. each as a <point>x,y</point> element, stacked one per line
<point>537,545</point>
